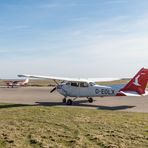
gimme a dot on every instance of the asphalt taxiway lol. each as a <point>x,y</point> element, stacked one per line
<point>42,96</point>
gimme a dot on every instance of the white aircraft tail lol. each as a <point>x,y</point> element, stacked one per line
<point>26,81</point>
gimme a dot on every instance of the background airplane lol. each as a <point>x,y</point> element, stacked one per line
<point>17,83</point>
<point>76,88</point>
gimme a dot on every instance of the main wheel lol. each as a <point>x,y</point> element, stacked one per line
<point>90,100</point>
<point>69,102</point>
<point>64,100</point>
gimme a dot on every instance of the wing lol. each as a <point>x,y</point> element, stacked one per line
<point>70,79</point>
<point>103,79</point>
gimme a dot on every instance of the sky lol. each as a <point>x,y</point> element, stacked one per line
<point>73,38</point>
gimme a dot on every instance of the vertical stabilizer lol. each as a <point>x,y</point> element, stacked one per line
<point>137,84</point>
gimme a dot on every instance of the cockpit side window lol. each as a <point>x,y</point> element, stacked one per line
<point>83,84</point>
<point>75,84</point>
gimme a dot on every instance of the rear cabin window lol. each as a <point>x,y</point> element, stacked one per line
<point>83,84</point>
<point>74,84</point>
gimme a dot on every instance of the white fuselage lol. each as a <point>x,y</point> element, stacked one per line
<point>83,89</point>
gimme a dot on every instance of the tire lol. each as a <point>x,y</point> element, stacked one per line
<point>64,100</point>
<point>69,102</point>
<point>90,100</point>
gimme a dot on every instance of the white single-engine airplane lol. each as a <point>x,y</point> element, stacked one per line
<point>17,83</point>
<point>76,88</point>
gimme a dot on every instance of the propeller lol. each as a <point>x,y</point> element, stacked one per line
<point>56,86</point>
<point>53,89</point>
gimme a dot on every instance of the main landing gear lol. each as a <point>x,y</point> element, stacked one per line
<point>90,100</point>
<point>70,101</point>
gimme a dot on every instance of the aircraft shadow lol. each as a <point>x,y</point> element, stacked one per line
<point>121,107</point>
<point>80,104</point>
<point>13,105</point>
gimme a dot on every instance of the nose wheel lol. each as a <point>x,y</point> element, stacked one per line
<point>67,102</point>
<point>70,101</point>
<point>64,100</point>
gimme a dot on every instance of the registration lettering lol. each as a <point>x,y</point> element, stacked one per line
<point>105,91</point>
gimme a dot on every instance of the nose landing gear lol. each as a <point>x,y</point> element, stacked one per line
<point>67,102</point>
<point>64,100</point>
<point>70,101</point>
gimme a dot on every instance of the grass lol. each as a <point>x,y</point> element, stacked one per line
<point>39,126</point>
